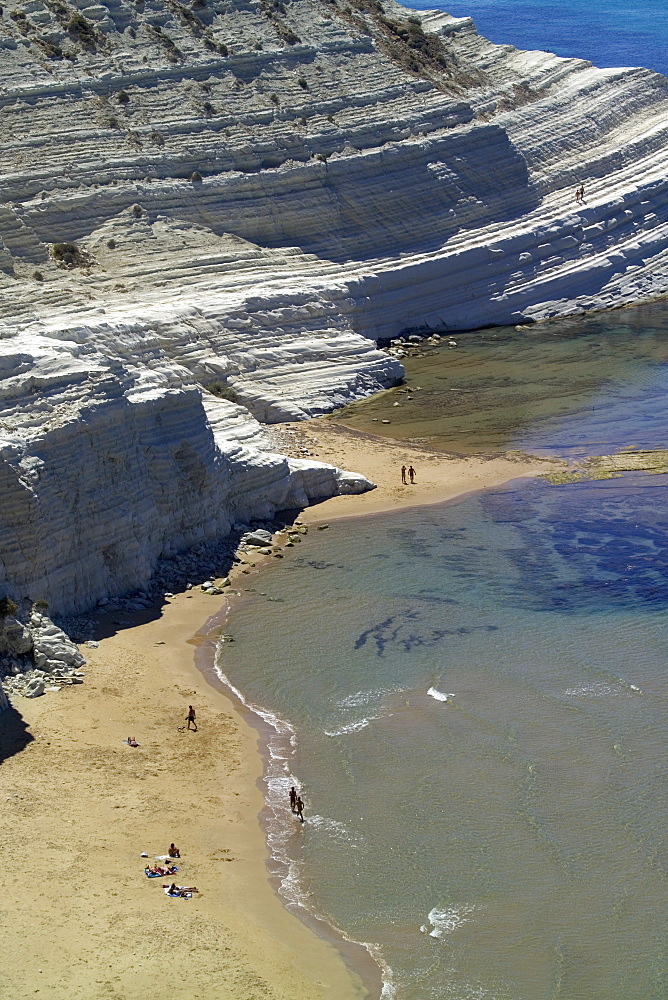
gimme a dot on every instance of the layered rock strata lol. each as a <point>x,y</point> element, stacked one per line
<point>239,198</point>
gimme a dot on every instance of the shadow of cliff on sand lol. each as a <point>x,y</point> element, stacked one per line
<point>14,734</point>
<point>109,622</point>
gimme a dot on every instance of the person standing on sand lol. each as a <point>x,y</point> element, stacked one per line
<point>299,808</point>
<point>411,474</point>
<point>293,798</point>
<point>190,717</point>
<point>403,475</point>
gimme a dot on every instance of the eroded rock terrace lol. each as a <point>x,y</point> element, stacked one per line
<point>243,197</point>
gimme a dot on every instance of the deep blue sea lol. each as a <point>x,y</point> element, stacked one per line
<point>607,32</point>
<point>473,697</point>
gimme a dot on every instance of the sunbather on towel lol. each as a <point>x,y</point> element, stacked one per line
<point>180,890</point>
<point>152,870</point>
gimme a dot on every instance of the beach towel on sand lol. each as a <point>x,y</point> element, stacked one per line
<point>150,874</point>
<point>175,895</point>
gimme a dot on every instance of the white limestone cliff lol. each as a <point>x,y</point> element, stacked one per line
<point>244,196</point>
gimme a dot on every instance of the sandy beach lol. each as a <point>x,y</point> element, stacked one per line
<point>80,919</point>
<point>439,476</point>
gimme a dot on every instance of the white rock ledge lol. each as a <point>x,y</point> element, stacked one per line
<point>247,201</point>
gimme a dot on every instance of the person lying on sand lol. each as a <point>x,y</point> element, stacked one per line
<point>152,870</point>
<point>180,890</point>
<point>131,742</point>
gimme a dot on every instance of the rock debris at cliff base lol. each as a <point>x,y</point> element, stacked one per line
<point>210,213</point>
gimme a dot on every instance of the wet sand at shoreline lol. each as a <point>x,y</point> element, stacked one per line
<point>79,806</point>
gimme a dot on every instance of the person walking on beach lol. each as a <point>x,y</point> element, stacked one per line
<point>411,474</point>
<point>299,808</point>
<point>190,717</point>
<point>293,798</point>
<point>403,475</point>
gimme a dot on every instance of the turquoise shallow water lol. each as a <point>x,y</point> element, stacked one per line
<point>473,698</point>
<point>509,841</point>
<point>585,386</point>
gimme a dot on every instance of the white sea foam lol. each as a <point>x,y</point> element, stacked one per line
<point>281,826</point>
<point>366,697</point>
<point>352,727</point>
<point>389,990</point>
<point>334,829</point>
<point>278,778</point>
<point>594,691</point>
<point>447,921</point>
<point>439,695</point>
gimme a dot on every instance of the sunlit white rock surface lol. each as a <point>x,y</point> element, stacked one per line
<point>254,193</point>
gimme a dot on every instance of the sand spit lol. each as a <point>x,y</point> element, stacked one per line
<point>440,476</point>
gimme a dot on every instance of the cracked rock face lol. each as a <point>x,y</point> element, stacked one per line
<point>210,213</point>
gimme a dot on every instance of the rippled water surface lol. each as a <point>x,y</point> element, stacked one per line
<point>608,32</point>
<point>570,387</point>
<point>473,696</point>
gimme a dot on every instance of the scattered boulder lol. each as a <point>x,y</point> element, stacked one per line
<point>34,688</point>
<point>257,537</point>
